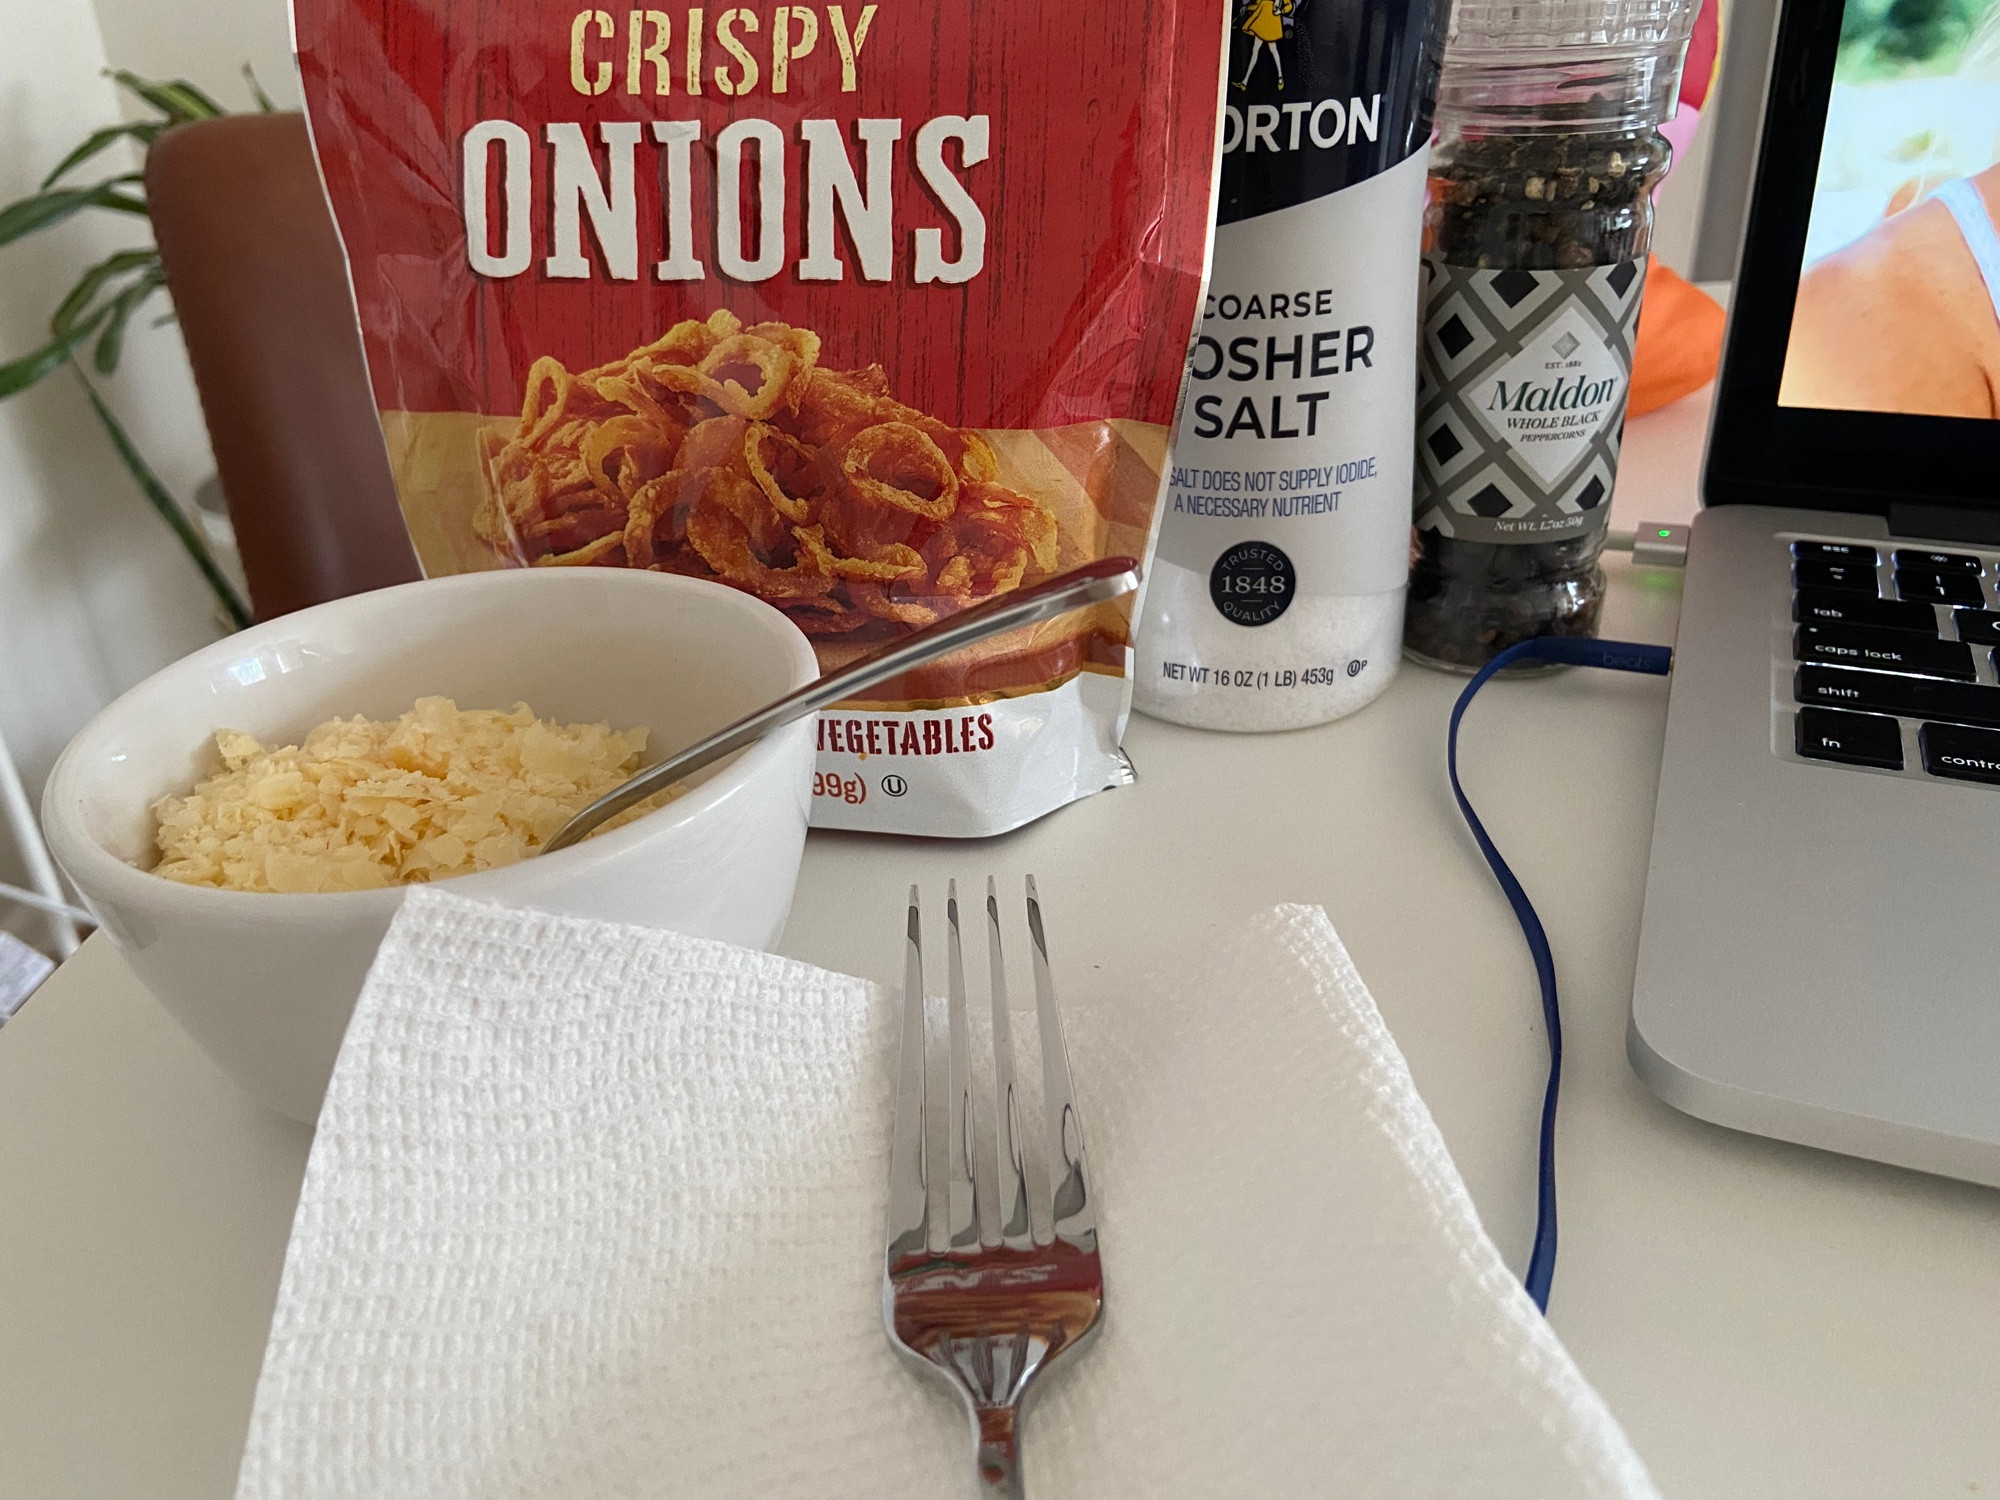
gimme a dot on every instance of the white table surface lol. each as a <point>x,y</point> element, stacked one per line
<point>1768,1321</point>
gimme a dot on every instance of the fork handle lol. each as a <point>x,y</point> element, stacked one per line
<point>999,1453</point>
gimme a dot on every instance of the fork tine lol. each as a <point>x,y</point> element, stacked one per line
<point>1011,1200</point>
<point>908,1204</point>
<point>1075,1216</point>
<point>962,1197</point>
<point>984,1158</point>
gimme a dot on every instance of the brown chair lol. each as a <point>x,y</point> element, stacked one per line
<point>260,287</point>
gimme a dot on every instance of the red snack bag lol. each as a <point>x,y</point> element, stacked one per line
<point>874,311</point>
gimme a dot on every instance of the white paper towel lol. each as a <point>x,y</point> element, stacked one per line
<point>597,1211</point>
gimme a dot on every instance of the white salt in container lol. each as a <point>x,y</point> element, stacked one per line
<point>1331,655</point>
<point>1276,596</point>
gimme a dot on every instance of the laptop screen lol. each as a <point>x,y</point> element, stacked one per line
<point>1898,307</point>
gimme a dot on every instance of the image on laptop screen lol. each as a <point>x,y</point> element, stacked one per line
<point>1899,294</point>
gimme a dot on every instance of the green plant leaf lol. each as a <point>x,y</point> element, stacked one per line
<point>257,91</point>
<point>94,280</point>
<point>178,100</point>
<point>111,343</point>
<point>25,216</point>
<point>17,375</point>
<point>144,131</point>
<point>191,540</point>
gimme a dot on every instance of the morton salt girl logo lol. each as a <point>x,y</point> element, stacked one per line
<point>1275,57</point>
<point>1266,23</point>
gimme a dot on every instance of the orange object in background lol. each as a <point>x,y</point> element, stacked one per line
<point>1680,341</point>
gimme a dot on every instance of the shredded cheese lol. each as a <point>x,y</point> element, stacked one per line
<point>441,791</point>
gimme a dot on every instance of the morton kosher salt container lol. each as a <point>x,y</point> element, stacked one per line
<point>1276,598</point>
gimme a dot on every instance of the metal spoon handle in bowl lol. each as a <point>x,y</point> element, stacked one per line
<point>1091,584</point>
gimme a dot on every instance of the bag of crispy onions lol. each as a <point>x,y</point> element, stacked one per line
<point>872,311</point>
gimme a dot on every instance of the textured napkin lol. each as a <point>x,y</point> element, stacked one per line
<point>597,1211</point>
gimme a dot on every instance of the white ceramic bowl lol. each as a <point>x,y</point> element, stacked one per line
<point>265,982</point>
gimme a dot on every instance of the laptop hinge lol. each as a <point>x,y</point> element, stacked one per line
<point>1947,523</point>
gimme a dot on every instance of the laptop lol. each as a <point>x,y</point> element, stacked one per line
<point>1819,956</point>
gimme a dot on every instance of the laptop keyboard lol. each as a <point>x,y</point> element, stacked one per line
<point>1893,659</point>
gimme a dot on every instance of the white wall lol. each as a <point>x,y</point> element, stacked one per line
<point>94,591</point>
<point>1677,221</point>
<point>207,42</point>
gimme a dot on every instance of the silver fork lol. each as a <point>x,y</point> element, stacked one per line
<point>968,1290</point>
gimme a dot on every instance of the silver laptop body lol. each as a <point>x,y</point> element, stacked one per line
<point>1819,957</point>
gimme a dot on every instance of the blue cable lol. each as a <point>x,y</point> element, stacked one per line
<point>1618,656</point>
